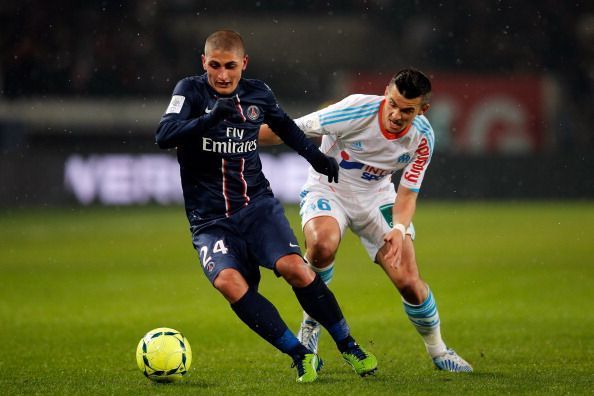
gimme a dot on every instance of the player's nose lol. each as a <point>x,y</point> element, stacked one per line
<point>223,75</point>
<point>395,114</point>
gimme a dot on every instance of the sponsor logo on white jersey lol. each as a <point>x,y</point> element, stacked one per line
<point>420,162</point>
<point>357,146</point>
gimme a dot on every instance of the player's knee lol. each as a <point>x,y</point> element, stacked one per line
<point>294,270</point>
<point>231,285</point>
<point>321,253</point>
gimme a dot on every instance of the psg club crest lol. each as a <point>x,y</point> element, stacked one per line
<point>253,112</point>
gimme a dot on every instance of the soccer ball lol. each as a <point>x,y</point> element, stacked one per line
<point>164,355</point>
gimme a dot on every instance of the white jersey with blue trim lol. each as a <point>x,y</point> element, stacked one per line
<point>351,132</point>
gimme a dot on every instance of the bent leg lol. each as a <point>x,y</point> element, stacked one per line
<point>313,295</point>
<point>419,303</point>
<point>421,309</point>
<point>406,276</point>
<point>319,302</point>
<point>257,312</point>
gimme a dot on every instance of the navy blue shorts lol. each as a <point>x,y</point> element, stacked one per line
<point>255,236</point>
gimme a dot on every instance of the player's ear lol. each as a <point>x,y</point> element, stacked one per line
<point>245,62</point>
<point>425,108</point>
<point>203,62</point>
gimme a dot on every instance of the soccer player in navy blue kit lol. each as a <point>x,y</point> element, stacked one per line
<point>237,224</point>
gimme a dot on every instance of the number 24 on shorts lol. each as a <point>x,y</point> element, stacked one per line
<point>219,247</point>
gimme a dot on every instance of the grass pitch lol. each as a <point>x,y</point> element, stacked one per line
<point>513,282</point>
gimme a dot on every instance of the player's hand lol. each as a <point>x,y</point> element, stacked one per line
<point>223,108</point>
<point>395,244</point>
<point>226,108</point>
<point>326,165</point>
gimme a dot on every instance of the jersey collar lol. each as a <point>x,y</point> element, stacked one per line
<point>389,135</point>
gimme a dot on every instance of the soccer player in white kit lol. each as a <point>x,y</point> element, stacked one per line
<point>372,137</point>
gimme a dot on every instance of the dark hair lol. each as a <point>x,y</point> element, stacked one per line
<point>226,40</point>
<point>412,83</point>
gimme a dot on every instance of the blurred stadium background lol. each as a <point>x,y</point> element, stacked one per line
<point>83,85</point>
<point>94,248</point>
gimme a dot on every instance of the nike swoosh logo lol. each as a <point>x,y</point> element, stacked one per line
<point>293,245</point>
<point>207,110</point>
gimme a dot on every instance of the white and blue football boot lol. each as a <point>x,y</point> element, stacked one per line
<point>451,361</point>
<point>309,333</point>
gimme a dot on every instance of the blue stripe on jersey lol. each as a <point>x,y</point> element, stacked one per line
<point>422,124</point>
<point>348,116</point>
<point>349,109</point>
<point>424,127</point>
<point>349,113</point>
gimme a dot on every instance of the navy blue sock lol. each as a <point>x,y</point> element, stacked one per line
<point>319,302</point>
<point>263,318</point>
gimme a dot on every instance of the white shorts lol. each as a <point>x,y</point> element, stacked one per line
<point>369,216</point>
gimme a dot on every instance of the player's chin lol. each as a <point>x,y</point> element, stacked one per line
<point>395,131</point>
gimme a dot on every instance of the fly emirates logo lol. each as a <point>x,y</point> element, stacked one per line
<point>230,146</point>
<point>420,163</point>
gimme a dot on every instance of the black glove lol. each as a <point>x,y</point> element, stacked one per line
<point>323,164</point>
<point>223,108</point>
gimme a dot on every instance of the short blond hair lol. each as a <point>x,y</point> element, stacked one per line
<point>224,40</point>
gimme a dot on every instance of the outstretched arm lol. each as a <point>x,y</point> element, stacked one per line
<point>402,214</point>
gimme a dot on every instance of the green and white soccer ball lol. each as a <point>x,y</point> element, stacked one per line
<point>164,355</point>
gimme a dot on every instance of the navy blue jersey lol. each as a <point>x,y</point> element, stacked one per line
<point>220,167</point>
